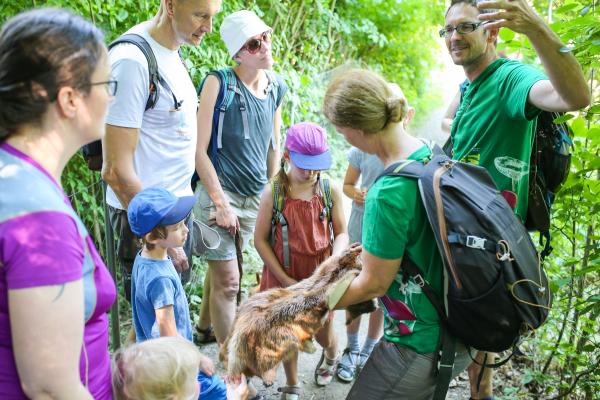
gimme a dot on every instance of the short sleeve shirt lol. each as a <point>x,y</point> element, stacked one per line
<point>43,243</point>
<point>156,284</point>
<point>165,152</point>
<point>494,125</point>
<point>369,166</point>
<point>241,163</point>
<point>393,206</point>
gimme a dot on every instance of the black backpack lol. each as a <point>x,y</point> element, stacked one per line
<point>92,152</point>
<point>549,166</point>
<point>494,284</point>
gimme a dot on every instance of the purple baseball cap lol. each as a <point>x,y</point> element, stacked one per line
<point>307,145</point>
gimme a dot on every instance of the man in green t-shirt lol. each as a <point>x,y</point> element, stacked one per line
<point>495,119</point>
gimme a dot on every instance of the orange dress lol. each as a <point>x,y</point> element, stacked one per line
<point>308,237</point>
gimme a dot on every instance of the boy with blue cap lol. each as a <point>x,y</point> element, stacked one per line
<point>158,301</point>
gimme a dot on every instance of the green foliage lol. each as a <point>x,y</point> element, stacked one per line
<point>311,39</point>
<point>565,352</point>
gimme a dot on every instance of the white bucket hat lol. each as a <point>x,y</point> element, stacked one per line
<point>240,26</point>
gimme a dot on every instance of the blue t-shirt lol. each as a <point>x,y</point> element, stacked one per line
<point>370,167</point>
<point>155,284</point>
<point>242,163</point>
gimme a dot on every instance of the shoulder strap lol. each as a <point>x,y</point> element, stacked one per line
<point>279,218</point>
<point>154,77</point>
<point>326,191</point>
<point>273,85</point>
<point>227,91</point>
<point>146,50</point>
<point>406,168</point>
<point>220,103</point>
<point>325,187</point>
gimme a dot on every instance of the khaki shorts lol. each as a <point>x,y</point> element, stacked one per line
<point>246,209</point>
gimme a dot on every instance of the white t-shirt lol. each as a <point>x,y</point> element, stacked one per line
<point>165,153</point>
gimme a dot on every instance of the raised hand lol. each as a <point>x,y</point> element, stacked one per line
<point>516,15</point>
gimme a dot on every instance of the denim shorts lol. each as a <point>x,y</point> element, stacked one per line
<point>396,372</point>
<point>246,209</point>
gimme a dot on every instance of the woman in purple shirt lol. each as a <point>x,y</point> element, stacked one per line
<point>55,291</point>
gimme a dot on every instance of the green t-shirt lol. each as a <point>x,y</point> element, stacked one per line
<point>494,125</point>
<point>394,207</point>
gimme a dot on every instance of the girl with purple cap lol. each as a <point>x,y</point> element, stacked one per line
<point>300,223</point>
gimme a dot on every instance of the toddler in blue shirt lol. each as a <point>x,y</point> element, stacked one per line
<point>158,301</point>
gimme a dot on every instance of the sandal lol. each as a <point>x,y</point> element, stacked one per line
<point>204,336</point>
<point>290,392</point>
<point>325,370</point>
<point>346,368</point>
<point>362,360</point>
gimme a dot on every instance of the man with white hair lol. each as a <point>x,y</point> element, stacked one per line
<point>154,145</point>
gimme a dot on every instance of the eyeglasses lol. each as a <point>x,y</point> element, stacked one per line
<point>111,86</point>
<point>462,28</point>
<point>254,45</point>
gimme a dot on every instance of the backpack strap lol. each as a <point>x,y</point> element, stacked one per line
<point>447,344</point>
<point>224,99</point>
<point>154,77</point>
<point>325,188</point>
<point>279,218</point>
<point>273,85</point>
<point>407,168</point>
<point>273,90</point>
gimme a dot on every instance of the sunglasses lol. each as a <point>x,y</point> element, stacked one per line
<point>253,45</point>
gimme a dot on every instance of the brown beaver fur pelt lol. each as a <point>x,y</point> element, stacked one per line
<point>271,325</point>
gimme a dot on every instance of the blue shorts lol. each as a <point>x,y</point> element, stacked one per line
<point>211,387</point>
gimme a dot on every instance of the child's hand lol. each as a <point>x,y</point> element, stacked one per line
<point>237,388</point>
<point>206,365</point>
<point>359,195</point>
<point>289,281</point>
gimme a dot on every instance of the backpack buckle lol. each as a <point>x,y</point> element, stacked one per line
<point>475,242</point>
<point>419,280</point>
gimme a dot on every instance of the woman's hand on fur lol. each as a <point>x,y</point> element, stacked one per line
<point>206,365</point>
<point>237,388</point>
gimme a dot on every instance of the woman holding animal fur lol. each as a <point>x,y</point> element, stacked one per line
<point>294,241</point>
<point>371,114</point>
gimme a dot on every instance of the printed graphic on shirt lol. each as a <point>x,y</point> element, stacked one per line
<point>512,168</point>
<point>400,318</point>
<point>473,157</point>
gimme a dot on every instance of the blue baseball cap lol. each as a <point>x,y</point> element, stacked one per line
<point>157,206</point>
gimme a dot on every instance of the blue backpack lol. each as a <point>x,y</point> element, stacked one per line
<point>228,89</point>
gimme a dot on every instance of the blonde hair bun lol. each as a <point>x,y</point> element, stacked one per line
<point>396,109</point>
